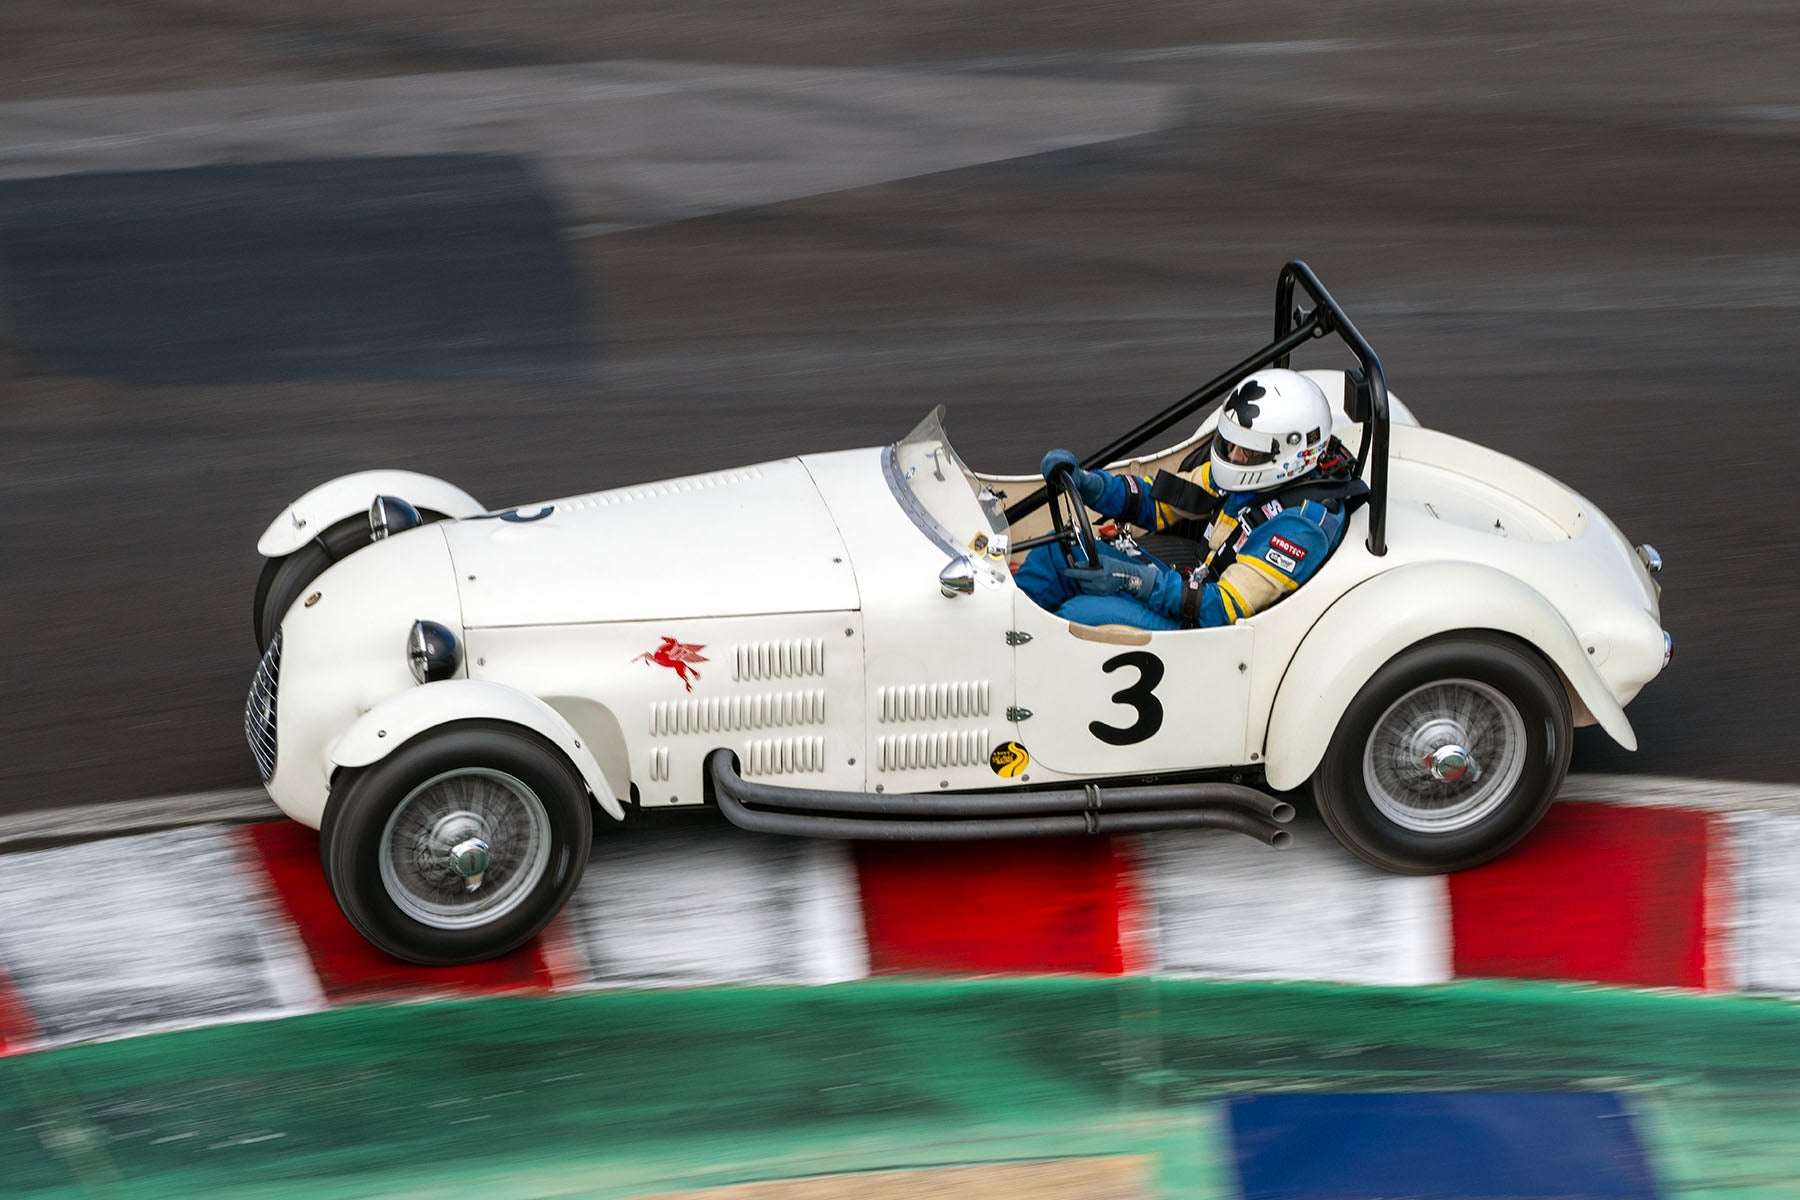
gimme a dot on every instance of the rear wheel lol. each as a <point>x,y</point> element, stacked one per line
<point>1448,756</point>
<point>460,846</point>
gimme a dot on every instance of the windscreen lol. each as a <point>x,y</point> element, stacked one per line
<point>945,500</point>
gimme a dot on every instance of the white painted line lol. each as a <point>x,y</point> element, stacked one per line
<point>1227,909</point>
<point>111,819</point>
<point>1723,904</point>
<point>623,143</point>
<point>702,906</point>
<point>118,937</point>
<point>564,956</point>
<point>1768,844</point>
<point>1140,940</point>
<point>285,961</point>
<point>1192,52</point>
<point>829,917</point>
<point>1667,791</point>
<point>1773,113</point>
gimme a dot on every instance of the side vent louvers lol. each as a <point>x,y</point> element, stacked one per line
<point>918,751</point>
<point>783,756</point>
<point>721,714</point>
<point>787,659</point>
<point>933,701</point>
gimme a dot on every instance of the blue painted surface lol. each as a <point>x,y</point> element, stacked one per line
<point>428,267</point>
<point>1438,1146</point>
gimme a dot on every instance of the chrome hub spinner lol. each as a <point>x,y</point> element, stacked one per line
<point>1433,732</point>
<point>464,848</point>
<point>1444,756</point>
<point>469,858</point>
<point>1449,763</point>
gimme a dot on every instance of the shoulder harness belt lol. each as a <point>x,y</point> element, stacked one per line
<point>1341,495</point>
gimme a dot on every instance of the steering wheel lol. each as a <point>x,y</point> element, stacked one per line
<point>1069,516</point>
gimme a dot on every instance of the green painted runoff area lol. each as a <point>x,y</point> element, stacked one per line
<point>617,1094</point>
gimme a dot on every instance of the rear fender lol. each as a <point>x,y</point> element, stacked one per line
<point>1376,620</point>
<point>399,719</point>
<point>348,495</point>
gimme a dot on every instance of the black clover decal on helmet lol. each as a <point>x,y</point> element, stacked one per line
<point>1242,404</point>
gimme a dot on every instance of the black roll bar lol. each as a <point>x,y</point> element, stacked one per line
<point>1372,460</point>
<point>1293,329</point>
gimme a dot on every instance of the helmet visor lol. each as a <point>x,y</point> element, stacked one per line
<point>1228,451</point>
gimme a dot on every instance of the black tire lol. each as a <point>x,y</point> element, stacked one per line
<point>1375,790</point>
<point>417,909</point>
<point>284,579</point>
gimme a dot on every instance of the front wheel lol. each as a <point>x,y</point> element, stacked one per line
<point>459,846</point>
<point>1448,756</point>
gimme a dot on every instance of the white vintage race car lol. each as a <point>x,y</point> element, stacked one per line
<point>840,650</point>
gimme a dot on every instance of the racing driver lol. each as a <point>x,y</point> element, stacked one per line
<point>1272,497</point>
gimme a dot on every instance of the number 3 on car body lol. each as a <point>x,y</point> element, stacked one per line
<point>1141,696</point>
<point>1102,705</point>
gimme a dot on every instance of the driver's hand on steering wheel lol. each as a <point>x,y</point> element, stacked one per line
<point>1091,484</point>
<point>1117,574</point>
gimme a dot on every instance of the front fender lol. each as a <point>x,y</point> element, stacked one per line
<point>347,495</point>
<point>1379,618</point>
<point>399,719</point>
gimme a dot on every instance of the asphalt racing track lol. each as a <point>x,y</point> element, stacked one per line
<point>242,251</point>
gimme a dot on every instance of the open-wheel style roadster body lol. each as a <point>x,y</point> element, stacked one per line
<point>448,693</point>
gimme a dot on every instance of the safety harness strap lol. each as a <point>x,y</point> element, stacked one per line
<point>1338,496</point>
<point>1184,494</point>
<point>1341,495</point>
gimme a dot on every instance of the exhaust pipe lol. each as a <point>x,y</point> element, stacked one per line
<point>804,812</point>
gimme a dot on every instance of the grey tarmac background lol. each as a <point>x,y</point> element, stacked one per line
<point>1569,230</point>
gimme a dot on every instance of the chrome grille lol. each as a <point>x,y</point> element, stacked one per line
<point>259,709</point>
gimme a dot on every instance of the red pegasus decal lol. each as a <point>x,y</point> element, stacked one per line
<point>678,657</point>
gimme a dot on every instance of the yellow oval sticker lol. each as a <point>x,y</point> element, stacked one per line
<point>1009,760</point>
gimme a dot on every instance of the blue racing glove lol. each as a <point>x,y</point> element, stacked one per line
<point>1090,484</point>
<point>1136,578</point>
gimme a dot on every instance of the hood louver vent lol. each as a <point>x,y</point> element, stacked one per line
<point>651,491</point>
<point>787,659</point>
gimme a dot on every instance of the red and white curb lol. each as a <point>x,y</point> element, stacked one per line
<point>233,922</point>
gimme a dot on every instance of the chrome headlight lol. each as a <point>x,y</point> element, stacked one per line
<point>432,652</point>
<point>390,515</point>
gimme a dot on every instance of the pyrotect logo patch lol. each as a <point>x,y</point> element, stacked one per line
<point>1286,547</point>
<point>679,657</point>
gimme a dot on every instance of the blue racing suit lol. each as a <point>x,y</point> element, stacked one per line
<point>1258,550</point>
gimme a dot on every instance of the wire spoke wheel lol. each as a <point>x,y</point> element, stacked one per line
<point>1448,756</point>
<point>464,848</point>
<point>1444,756</point>
<point>460,845</point>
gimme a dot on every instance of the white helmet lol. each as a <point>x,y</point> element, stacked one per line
<point>1273,428</point>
